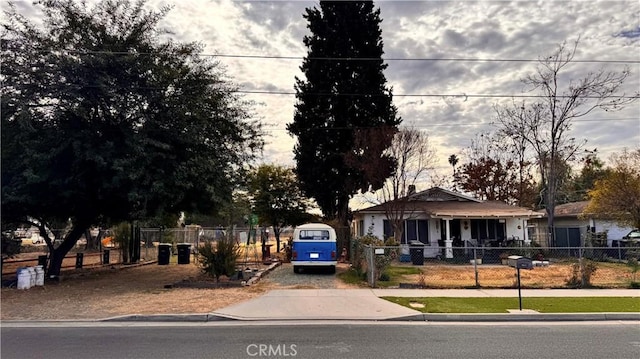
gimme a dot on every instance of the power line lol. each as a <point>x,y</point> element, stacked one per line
<point>462,95</point>
<point>330,58</point>
<point>454,124</point>
<point>453,59</point>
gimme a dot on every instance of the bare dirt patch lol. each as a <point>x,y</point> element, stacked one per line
<point>498,276</point>
<point>106,292</point>
<point>98,293</point>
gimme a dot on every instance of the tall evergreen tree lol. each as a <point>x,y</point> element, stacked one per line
<point>344,116</point>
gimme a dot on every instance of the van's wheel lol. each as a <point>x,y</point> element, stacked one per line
<point>332,269</point>
<point>296,269</point>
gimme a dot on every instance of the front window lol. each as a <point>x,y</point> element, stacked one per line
<point>314,235</point>
<point>416,229</point>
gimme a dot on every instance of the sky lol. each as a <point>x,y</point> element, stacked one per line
<point>439,97</point>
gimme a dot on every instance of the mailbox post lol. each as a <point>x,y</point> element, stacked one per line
<point>519,262</point>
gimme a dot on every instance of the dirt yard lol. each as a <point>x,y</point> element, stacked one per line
<point>113,291</point>
<point>607,275</point>
<point>116,290</point>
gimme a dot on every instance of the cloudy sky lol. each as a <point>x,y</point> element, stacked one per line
<point>415,33</point>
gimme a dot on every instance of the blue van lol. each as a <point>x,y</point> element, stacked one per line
<point>314,245</point>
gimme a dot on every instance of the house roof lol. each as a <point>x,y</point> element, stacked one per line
<point>570,209</point>
<point>440,203</point>
<point>476,209</point>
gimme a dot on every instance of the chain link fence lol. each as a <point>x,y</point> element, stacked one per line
<point>487,267</point>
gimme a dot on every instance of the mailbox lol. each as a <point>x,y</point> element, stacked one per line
<point>520,262</point>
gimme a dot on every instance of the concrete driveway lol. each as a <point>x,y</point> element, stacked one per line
<point>316,304</point>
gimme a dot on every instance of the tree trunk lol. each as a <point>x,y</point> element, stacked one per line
<point>276,233</point>
<point>343,233</point>
<point>93,243</point>
<point>58,254</point>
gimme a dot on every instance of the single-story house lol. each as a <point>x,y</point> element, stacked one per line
<point>435,215</point>
<point>571,227</point>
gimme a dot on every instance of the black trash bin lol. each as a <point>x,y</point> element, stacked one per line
<point>416,251</point>
<point>105,256</point>
<point>184,253</point>
<point>79,259</point>
<point>164,253</point>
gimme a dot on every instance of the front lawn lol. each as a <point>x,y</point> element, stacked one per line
<point>542,305</point>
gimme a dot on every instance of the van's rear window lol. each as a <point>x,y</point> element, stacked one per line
<point>314,235</point>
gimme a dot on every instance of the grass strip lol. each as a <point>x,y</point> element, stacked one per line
<point>540,304</point>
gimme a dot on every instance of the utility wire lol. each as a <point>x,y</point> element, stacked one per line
<point>466,96</point>
<point>329,58</point>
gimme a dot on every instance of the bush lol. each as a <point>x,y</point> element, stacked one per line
<point>381,262</point>
<point>122,236</point>
<point>633,263</point>
<point>10,246</point>
<point>220,258</point>
<point>582,272</point>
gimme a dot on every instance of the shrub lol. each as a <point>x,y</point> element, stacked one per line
<point>633,263</point>
<point>220,258</point>
<point>581,275</point>
<point>359,259</point>
<point>10,245</point>
<point>122,236</point>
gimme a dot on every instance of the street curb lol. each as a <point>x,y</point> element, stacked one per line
<point>462,317</point>
<point>508,317</point>
<point>158,318</point>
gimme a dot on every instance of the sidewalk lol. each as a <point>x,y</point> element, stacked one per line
<point>366,304</point>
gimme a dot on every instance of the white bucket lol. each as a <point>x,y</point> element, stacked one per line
<point>24,278</point>
<point>32,280</point>
<point>39,276</point>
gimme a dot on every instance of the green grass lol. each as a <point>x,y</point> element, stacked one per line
<point>394,271</point>
<point>542,305</point>
<point>351,277</point>
<point>396,275</point>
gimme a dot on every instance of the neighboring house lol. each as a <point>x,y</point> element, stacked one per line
<point>571,227</point>
<point>436,214</point>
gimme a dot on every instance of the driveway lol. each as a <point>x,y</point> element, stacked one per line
<point>284,278</point>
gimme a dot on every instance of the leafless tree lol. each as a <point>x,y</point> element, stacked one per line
<point>414,157</point>
<point>546,125</point>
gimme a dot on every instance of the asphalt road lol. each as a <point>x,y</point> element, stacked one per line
<point>344,340</point>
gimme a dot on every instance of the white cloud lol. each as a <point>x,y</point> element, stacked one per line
<point>425,29</point>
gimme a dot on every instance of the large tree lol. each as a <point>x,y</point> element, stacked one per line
<point>617,195</point>
<point>104,122</point>
<point>344,116</point>
<point>277,198</point>
<point>545,125</point>
<point>493,172</point>
<point>592,170</point>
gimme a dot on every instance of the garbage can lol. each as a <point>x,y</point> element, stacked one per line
<point>416,251</point>
<point>42,261</point>
<point>105,256</point>
<point>164,253</point>
<point>184,253</point>
<point>79,259</point>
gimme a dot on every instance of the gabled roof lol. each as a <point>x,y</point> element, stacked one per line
<point>437,194</point>
<point>573,209</point>
<point>441,203</point>
<point>570,209</point>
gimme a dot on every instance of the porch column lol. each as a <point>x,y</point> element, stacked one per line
<point>525,233</point>
<point>448,242</point>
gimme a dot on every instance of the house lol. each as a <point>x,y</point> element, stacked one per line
<point>438,217</point>
<point>571,225</point>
